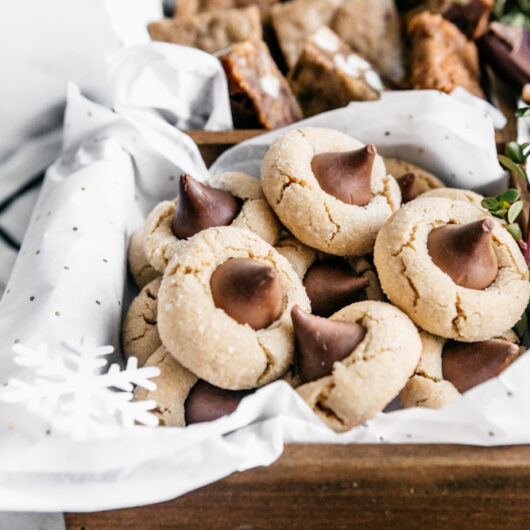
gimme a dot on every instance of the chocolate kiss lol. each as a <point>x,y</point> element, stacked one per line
<point>469,364</point>
<point>346,176</point>
<point>206,402</point>
<point>322,342</point>
<point>248,291</point>
<point>407,185</point>
<point>332,285</point>
<point>465,253</point>
<point>200,207</point>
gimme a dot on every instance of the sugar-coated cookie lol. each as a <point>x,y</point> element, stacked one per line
<point>182,398</point>
<point>354,363</point>
<point>232,199</point>
<point>224,308</point>
<point>454,270</point>
<point>300,256</point>
<point>141,270</point>
<point>412,179</point>
<point>448,368</point>
<point>457,194</point>
<point>140,333</point>
<point>329,190</point>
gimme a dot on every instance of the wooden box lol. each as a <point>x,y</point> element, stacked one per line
<point>347,486</point>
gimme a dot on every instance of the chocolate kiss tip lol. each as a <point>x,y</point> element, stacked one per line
<point>248,291</point>
<point>200,206</point>
<point>346,175</point>
<point>332,285</point>
<point>465,253</point>
<point>407,185</point>
<point>206,402</point>
<point>322,342</point>
<point>468,364</point>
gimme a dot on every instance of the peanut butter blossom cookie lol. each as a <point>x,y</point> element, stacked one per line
<point>182,398</point>
<point>329,190</point>
<point>457,194</point>
<point>412,180</point>
<point>455,271</point>
<point>448,368</point>
<point>354,363</point>
<point>230,199</point>
<point>140,268</point>
<point>224,308</point>
<point>140,333</point>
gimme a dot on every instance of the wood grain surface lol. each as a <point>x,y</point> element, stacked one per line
<point>351,486</point>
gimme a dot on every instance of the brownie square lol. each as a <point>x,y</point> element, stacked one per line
<point>328,75</point>
<point>210,31</point>
<point>295,21</point>
<point>441,56</point>
<point>259,94</point>
<point>191,7</point>
<point>373,29</point>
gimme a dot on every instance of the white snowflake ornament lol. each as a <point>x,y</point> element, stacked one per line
<point>74,395</point>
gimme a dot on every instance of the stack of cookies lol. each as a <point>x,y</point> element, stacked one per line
<point>352,277</point>
<point>294,59</point>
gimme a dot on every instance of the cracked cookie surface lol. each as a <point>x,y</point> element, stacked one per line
<point>140,333</point>
<point>141,270</point>
<point>160,243</point>
<point>172,388</point>
<point>424,181</point>
<point>427,387</point>
<point>457,194</point>
<point>428,295</point>
<point>362,384</point>
<point>313,216</point>
<point>203,337</point>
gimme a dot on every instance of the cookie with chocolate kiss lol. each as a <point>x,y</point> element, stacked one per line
<point>467,365</point>
<point>465,252</point>
<point>329,190</point>
<point>224,308</point>
<point>457,273</point>
<point>206,402</point>
<point>322,342</point>
<point>407,186</point>
<point>229,199</point>
<point>354,363</point>
<point>449,368</point>
<point>183,399</point>
<point>331,284</point>
<point>201,206</point>
<point>248,291</point>
<point>347,175</point>
<point>411,187</point>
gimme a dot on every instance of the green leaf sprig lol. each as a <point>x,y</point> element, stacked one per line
<point>506,206</point>
<point>523,112</point>
<point>514,159</point>
<point>512,12</point>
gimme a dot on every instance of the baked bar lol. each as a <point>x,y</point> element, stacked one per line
<point>259,94</point>
<point>329,75</point>
<point>210,31</point>
<point>372,29</point>
<point>295,21</point>
<point>191,7</point>
<point>441,56</point>
<point>471,16</point>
